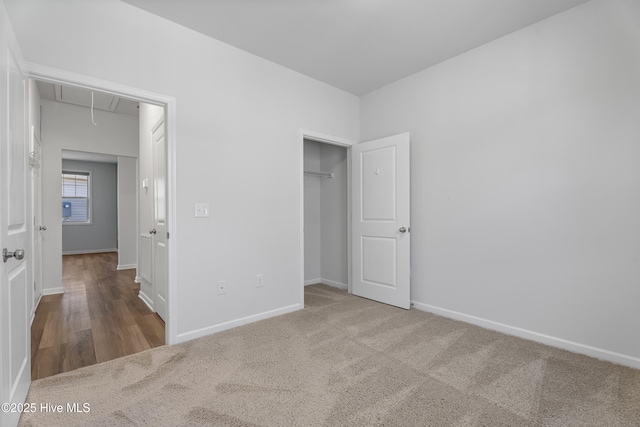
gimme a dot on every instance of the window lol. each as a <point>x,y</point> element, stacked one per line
<point>75,197</point>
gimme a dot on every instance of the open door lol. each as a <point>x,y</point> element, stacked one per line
<point>15,357</point>
<point>159,232</point>
<point>38,227</point>
<point>381,239</point>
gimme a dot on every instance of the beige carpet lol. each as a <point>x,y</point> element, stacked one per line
<point>347,361</point>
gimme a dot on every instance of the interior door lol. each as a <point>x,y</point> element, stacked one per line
<point>38,227</point>
<point>381,238</point>
<point>159,232</point>
<point>14,237</point>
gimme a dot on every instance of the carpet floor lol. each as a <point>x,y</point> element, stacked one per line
<point>345,361</point>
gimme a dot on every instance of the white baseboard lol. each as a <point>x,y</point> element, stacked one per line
<point>137,279</point>
<point>53,291</point>
<point>126,266</point>
<point>327,282</point>
<point>186,336</point>
<point>90,251</point>
<point>35,307</point>
<point>574,347</point>
<point>334,284</point>
<point>145,299</point>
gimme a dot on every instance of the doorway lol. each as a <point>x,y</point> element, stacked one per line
<point>326,195</point>
<point>99,315</point>
<point>166,104</point>
<point>378,214</point>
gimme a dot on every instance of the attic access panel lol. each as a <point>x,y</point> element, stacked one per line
<point>78,96</point>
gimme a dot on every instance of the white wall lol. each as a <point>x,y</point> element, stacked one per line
<point>69,127</point>
<point>525,180</point>
<point>312,215</point>
<point>333,200</point>
<point>237,146</point>
<point>101,235</point>
<point>127,213</point>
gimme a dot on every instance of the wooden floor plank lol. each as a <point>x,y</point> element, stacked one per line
<point>133,340</point>
<point>36,336</point>
<point>46,362</point>
<point>78,352</point>
<point>153,329</point>
<point>107,341</point>
<point>54,332</point>
<point>98,318</point>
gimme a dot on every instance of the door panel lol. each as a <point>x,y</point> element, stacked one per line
<point>160,219</point>
<point>14,222</point>
<point>18,297</point>
<point>38,228</point>
<point>379,185</point>
<point>378,261</point>
<point>380,220</point>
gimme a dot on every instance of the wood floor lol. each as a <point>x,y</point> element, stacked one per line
<point>98,318</point>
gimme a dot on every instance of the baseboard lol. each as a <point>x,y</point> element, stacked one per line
<point>574,347</point>
<point>35,307</point>
<point>126,266</point>
<point>90,251</point>
<point>137,279</point>
<point>334,284</point>
<point>186,336</point>
<point>145,299</point>
<point>327,282</point>
<point>53,291</point>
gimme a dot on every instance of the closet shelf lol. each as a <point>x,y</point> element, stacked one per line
<point>320,174</point>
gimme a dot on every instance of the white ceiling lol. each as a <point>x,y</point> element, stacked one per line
<point>356,45</point>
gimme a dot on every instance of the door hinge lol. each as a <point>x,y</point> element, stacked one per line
<point>167,234</point>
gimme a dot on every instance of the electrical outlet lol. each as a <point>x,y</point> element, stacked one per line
<point>222,287</point>
<point>259,280</point>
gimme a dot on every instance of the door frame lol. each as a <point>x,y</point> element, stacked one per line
<point>57,76</point>
<point>331,140</point>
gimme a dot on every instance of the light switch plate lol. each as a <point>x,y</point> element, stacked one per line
<point>202,210</point>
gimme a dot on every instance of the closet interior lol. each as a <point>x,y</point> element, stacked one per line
<point>325,214</point>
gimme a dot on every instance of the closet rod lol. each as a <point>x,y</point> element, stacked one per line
<point>322,174</point>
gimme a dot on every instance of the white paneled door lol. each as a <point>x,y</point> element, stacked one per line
<point>381,239</point>
<point>14,240</point>
<point>159,232</point>
<point>38,227</point>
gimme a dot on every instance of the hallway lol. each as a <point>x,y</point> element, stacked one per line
<point>98,318</point>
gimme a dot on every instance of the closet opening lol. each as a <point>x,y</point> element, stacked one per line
<point>326,230</point>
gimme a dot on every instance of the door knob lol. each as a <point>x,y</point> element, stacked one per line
<point>43,228</point>
<point>403,229</point>
<point>17,254</point>
<point>152,231</point>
